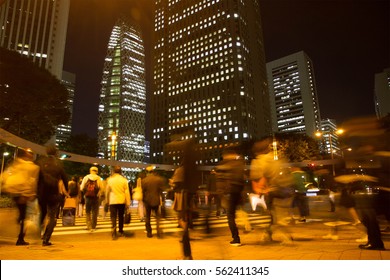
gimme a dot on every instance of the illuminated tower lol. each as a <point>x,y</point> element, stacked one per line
<point>37,29</point>
<point>122,109</point>
<point>209,77</point>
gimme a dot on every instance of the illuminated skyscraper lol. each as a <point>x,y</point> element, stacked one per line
<point>293,94</point>
<point>122,109</point>
<point>209,77</point>
<point>37,29</point>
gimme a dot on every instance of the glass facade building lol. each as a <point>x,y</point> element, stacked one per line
<point>209,78</point>
<point>122,108</point>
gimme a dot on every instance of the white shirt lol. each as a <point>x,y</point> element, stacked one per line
<point>117,190</point>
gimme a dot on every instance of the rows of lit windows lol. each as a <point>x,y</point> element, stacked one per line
<point>204,45</point>
<point>295,128</point>
<point>123,76</point>
<point>205,23</point>
<point>192,10</point>
<point>159,19</point>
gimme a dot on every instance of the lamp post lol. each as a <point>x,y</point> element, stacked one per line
<point>5,154</point>
<point>113,145</point>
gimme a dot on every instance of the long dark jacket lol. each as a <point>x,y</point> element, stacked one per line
<point>51,171</point>
<point>230,176</point>
<point>152,188</point>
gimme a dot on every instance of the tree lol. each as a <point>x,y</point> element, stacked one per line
<point>80,144</point>
<point>32,101</point>
<point>296,147</point>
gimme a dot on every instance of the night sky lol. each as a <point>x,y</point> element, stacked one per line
<point>348,42</point>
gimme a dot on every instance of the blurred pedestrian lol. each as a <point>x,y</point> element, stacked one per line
<point>153,186</point>
<point>365,206</point>
<point>216,190</point>
<point>230,172</point>
<point>92,188</point>
<point>118,197</point>
<point>137,195</point>
<point>20,179</point>
<point>185,180</point>
<point>74,191</point>
<point>269,179</point>
<point>300,199</point>
<point>52,184</point>
<point>81,199</point>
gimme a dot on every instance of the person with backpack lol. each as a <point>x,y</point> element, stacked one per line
<point>92,188</point>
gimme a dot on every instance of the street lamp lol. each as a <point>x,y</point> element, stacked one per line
<point>5,154</point>
<point>113,145</point>
<point>330,133</point>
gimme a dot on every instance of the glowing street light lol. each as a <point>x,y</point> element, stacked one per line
<point>113,145</point>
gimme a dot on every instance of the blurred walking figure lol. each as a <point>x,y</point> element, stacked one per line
<point>92,187</point>
<point>49,191</point>
<point>81,199</point>
<point>20,179</point>
<point>74,191</point>
<point>300,199</point>
<point>138,196</point>
<point>152,189</point>
<point>268,179</point>
<point>216,189</point>
<point>118,197</point>
<point>230,172</point>
<point>185,182</point>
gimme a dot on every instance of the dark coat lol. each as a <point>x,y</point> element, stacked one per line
<point>152,188</point>
<point>51,171</point>
<point>230,176</point>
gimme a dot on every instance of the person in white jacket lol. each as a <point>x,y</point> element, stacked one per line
<point>118,197</point>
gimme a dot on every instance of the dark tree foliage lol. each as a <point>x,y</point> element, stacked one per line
<point>32,101</point>
<point>296,147</point>
<point>80,144</point>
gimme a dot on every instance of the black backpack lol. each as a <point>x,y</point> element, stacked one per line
<point>91,188</point>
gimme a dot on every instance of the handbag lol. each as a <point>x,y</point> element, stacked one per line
<point>127,217</point>
<point>137,193</point>
<point>70,202</point>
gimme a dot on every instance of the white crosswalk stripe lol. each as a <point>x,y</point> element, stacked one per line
<point>168,224</point>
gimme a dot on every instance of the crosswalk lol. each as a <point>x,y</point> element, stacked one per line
<point>168,224</point>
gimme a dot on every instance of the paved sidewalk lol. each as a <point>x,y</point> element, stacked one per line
<point>308,244</point>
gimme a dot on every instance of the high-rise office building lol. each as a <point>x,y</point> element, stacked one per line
<point>64,131</point>
<point>382,93</point>
<point>122,109</point>
<point>37,29</point>
<point>209,78</point>
<point>329,138</point>
<point>293,94</point>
